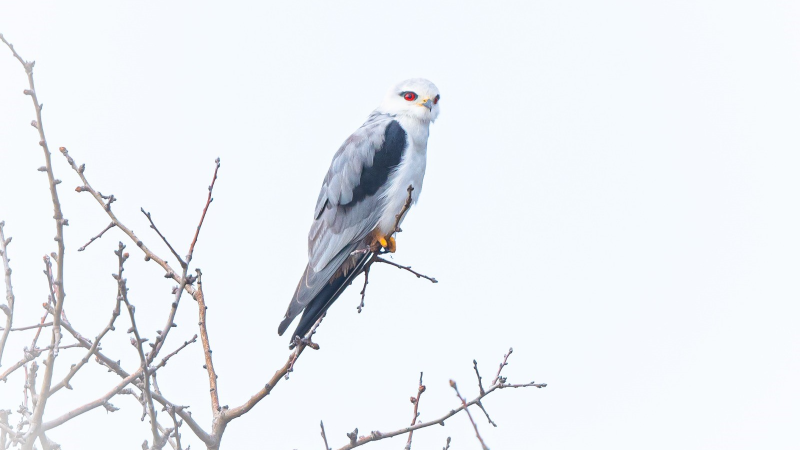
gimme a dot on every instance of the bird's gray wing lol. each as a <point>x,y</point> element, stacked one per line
<point>350,204</point>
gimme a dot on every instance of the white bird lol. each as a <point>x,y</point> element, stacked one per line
<point>365,189</point>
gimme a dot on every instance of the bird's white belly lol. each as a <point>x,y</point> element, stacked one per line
<point>409,172</point>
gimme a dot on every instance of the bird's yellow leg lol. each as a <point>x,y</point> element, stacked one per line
<point>388,243</point>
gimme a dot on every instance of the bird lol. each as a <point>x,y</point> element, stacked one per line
<point>370,178</point>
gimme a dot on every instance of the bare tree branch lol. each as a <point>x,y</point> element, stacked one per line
<point>8,309</point>
<point>149,255</point>
<point>110,226</point>
<point>477,374</point>
<point>163,238</point>
<point>166,358</point>
<point>480,387</point>
<point>31,327</point>
<point>366,282</point>
<point>205,210</point>
<point>30,355</point>
<point>408,268</point>
<point>415,401</point>
<point>233,413</point>
<point>60,223</point>
<point>76,367</point>
<point>377,435</point>
<point>322,433</point>
<point>502,364</point>
<point>464,403</point>
<point>209,365</point>
<point>93,404</point>
<point>138,343</point>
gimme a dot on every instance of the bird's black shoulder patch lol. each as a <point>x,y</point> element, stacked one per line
<point>385,160</point>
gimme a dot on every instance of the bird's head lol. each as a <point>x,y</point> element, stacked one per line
<point>417,98</point>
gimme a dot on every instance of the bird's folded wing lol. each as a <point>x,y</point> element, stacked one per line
<point>350,203</point>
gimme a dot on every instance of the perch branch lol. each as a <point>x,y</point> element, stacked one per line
<point>408,268</point>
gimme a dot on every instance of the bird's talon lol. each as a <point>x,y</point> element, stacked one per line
<point>389,243</point>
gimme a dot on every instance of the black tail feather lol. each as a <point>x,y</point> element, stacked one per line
<point>325,298</point>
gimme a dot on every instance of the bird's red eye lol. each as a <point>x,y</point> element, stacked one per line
<point>436,100</point>
<point>409,96</point>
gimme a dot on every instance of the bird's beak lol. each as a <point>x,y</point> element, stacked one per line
<point>428,103</point>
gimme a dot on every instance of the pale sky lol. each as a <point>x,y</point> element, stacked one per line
<point>612,190</point>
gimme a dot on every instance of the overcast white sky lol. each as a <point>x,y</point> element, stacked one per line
<point>612,189</point>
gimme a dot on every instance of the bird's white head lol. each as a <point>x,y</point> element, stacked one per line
<point>417,98</point>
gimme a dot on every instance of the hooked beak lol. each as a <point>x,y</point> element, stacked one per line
<point>428,103</point>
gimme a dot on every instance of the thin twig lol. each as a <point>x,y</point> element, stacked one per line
<point>503,364</point>
<point>115,367</point>
<point>95,345</point>
<point>408,268</point>
<point>185,281</point>
<point>377,435</point>
<point>324,438</point>
<point>32,327</point>
<point>177,423</point>
<point>480,405</point>
<point>8,309</point>
<point>6,430</point>
<point>163,238</point>
<point>110,226</point>
<point>93,404</point>
<point>406,206</point>
<point>161,338</point>
<point>166,358</point>
<point>47,378</point>
<point>149,255</point>
<point>205,210</point>
<point>415,401</point>
<point>366,281</point>
<point>480,384</point>
<point>480,387</point>
<point>30,355</point>
<point>464,403</point>
<point>209,366</point>
<point>123,295</point>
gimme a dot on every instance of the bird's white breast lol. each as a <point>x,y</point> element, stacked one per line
<point>409,172</point>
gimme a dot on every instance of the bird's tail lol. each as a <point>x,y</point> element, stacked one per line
<point>325,298</point>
